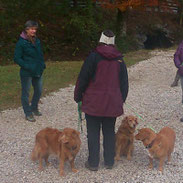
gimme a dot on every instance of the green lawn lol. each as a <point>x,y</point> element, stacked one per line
<point>57,75</point>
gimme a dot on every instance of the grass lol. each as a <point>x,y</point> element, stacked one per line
<point>134,57</point>
<point>57,75</point>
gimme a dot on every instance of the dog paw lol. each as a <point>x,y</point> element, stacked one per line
<point>160,170</point>
<point>117,158</point>
<point>129,158</point>
<point>150,167</point>
<point>40,169</point>
<point>48,164</point>
<point>74,170</point>
<point>62,173</point>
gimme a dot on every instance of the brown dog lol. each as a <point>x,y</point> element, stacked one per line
<point>125,137</point>
<point>159,145</point>
<point>65,144</point>
<point>146,135</point>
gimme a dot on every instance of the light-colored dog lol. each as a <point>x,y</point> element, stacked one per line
<point>65,144</point>
<point>125,137</point>
<point>159,145</point>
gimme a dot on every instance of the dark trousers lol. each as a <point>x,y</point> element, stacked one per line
<point>94,125</point>
<point>37,86</point>
<point>176,79</point>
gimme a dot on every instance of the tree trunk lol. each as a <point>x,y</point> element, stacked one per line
<point>75,3</point>
<point>121,26</point>
<point>180,12</point>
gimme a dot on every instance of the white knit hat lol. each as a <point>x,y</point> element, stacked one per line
<point>107,40</point>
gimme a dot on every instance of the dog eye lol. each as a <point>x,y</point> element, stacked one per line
<point>74,147</point>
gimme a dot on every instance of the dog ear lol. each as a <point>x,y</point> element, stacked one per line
<point>136,120</point>
<point>159,145</point>
<point>63,139</point>
<point>123,121</point>
<point>126,118</point>
<point>75,133</point>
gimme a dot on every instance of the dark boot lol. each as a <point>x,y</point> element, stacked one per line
<point>37,113</point>
<point>175,83</point>
<point>30,118</point>
<point>87,165</point>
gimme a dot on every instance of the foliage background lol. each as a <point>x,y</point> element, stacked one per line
<point>70,29</point>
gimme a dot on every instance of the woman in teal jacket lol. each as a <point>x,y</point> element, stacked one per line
<point>29,56</point>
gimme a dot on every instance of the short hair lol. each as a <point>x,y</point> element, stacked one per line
<point>31,23</point>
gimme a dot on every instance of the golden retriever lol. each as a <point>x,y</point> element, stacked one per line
<point>65,144</point>
<point>125,137</point>
<point>159,145</point>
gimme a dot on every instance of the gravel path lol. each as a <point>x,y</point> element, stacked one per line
<point>150,95</point>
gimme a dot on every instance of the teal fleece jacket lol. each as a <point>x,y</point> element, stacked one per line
<point>29,57</point>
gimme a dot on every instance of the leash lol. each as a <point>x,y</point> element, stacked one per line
<point>80,117</point>
<point>138,115</point>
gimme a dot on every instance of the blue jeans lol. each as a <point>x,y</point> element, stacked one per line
<point>37,86</point>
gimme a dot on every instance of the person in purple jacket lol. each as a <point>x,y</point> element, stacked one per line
<point>102,87</point>
<point>178,60</point>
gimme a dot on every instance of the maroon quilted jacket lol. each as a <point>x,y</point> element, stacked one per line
<point>102,85</point>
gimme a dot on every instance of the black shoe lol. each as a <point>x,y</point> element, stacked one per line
<point>37,113</point>
<point>181,119</point>
<point>30,118</point>
<point>89,167</point>
<point>174,84</point>
<point>109,166</point>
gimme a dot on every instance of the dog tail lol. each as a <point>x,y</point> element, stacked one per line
<point>35,153</point>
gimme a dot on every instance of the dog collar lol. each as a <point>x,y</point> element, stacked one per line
<point>150,145</point>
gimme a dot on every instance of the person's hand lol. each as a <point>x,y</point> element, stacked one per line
<point>79,104</point>
<point>181,64</point>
